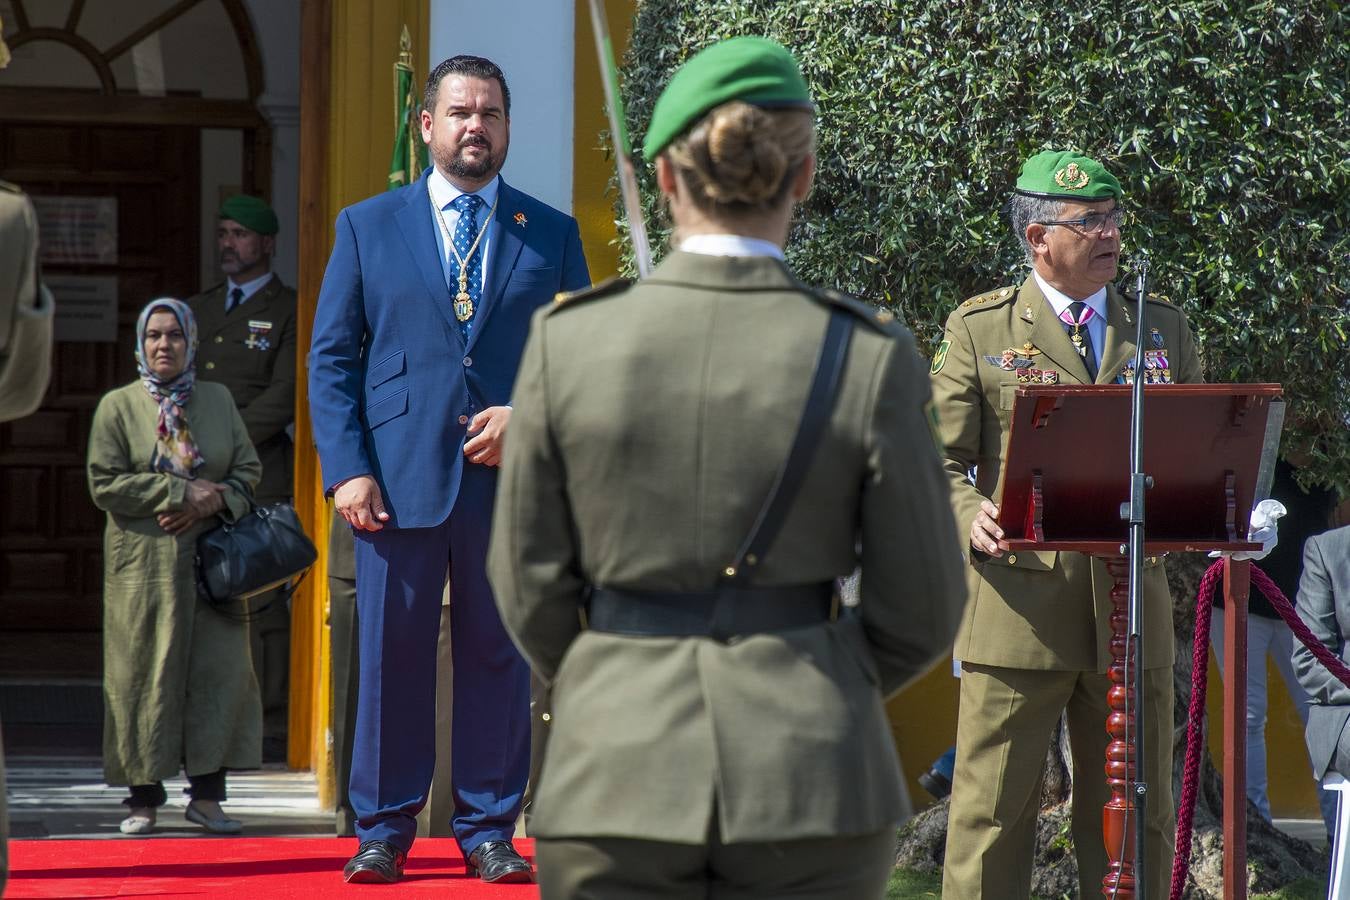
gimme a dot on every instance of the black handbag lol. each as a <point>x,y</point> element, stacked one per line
<point>262,550</point>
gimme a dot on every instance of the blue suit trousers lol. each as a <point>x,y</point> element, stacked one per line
<point>400,575</point>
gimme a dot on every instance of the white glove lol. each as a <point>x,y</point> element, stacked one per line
<point>1263,528</point>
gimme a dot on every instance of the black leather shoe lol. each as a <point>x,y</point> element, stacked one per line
<point>935,783</point>
<point>375,862</point>
<point>498,861</point>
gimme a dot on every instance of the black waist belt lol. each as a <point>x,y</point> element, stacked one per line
<point>721,614</point>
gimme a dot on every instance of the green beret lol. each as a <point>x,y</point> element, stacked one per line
<point>251,212</point>
<point>1064,175</point>
<point>751,69</point>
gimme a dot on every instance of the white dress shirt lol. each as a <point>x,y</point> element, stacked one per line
<point>443,194</point>
<point>730,245</point>
<point>1096,326</point>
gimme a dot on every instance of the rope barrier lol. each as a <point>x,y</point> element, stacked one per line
<point>1195,715</point>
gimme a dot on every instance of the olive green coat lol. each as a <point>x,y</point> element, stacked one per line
<point>1038,610</point>
<point>178,684</point>
<point>648,426</point>
<point>252,352</point>
<point>27,313</point>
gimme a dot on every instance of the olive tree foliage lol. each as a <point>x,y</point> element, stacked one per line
<point>1226,122</point>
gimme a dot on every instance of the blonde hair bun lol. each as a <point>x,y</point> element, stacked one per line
<point>741,155</point>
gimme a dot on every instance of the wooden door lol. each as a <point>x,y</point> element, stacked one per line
<point>51,565</point>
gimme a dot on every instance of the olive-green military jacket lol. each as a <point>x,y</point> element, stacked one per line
<point>178,684</point>
<point>252,352</point>
<point>27,312</point>
<point>1038,610</point>
<point>648,426</point>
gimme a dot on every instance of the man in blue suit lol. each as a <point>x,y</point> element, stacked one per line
<point>421,320</point>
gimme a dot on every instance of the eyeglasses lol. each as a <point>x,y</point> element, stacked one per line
<point>1093,223</point>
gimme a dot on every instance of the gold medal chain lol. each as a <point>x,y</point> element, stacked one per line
<point>463,261</point>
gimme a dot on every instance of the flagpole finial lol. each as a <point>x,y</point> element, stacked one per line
<point>405,48</point>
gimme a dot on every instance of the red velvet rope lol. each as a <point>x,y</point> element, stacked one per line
<point>1195,716</point>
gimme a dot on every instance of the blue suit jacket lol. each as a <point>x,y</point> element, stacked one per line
<point>392,385</point>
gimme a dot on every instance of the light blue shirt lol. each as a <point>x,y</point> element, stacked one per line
<point>1096,326</point>
<point>443,193</point>
<point>248,287</point>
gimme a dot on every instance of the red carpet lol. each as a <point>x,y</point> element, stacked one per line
<point>241,868</point>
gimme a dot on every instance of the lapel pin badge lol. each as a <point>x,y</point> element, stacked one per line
<point>520,219</point>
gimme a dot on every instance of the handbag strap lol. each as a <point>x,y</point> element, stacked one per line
<point>819,404</point>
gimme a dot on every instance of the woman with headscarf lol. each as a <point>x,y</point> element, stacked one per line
<point>167,456</point>
<point>717,727</point>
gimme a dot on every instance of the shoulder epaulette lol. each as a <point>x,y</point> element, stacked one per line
<point>1132,296</point>
<point>10,188</point>
<point>610,287</point>
<point>988,300</point>
<point>882,320</point>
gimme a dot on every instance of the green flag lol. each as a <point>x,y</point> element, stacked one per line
<point>410,154</point>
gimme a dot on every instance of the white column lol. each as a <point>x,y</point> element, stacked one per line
<point>283,114</point>
<point>532,42</point>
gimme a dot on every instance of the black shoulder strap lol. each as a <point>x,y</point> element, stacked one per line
<point>819,405</point>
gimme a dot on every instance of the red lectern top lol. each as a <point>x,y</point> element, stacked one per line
<point>1068,466</point>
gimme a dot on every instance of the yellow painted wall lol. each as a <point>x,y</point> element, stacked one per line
<point>1290,783</point>
<point>592,168</point>
<point>923,723</point>
<point>364,45</point>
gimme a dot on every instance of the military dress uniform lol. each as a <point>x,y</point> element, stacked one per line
<point>640,464</point>
<point>252,350</point>
<point>1034,639</point>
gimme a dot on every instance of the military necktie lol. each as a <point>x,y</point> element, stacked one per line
<point>236,297</point>
<point>1075,320</point>
<point>467,240</point>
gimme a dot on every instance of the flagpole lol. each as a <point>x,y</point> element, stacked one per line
<point>406,162</point>
<point>618,132</point>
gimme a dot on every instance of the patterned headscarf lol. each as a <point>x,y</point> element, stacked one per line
<point>175,452</point>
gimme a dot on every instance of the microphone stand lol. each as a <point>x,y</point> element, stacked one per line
<point>1134,656</point>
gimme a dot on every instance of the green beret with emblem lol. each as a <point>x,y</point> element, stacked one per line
<point>754,70</point>
<point>251,212</point>
<point>1065,175</point>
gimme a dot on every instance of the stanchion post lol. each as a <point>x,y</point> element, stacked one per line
<point>1236,588</point>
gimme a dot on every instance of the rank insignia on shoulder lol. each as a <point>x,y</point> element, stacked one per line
<point>940,357</point>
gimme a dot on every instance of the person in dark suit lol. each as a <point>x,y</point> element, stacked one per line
<point>246,325</point>
<point>1324,605</point>
<point>420,325</point>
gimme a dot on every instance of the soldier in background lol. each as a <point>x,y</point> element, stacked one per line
<point>1035,638</point>
<point>247,331</point>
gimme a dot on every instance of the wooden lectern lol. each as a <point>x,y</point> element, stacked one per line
<point>1066,477</point>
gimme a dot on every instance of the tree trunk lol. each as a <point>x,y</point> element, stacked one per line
<point>1273,858</point>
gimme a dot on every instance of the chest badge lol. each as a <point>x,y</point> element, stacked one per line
<point>259,335</point>
<point>1014,358</point>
